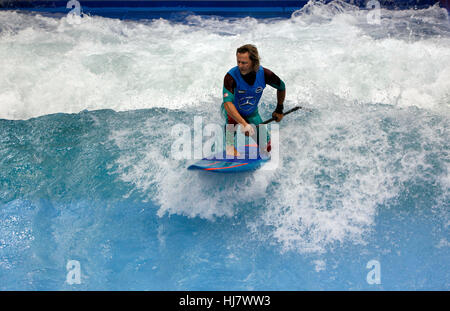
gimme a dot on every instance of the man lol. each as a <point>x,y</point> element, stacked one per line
<point>242,90</point>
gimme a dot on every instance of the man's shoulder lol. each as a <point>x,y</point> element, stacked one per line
<point>228,82</point>
<point>267,71</point>
<point>232,71</point>
<point>230,75</point>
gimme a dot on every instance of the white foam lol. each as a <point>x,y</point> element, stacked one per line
<point>166,181</point>
<point>347,164</point>
<point>51,65</point>
<point>320,265</point>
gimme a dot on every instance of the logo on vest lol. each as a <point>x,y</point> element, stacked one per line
<point>259,90</point>
<point>247,103</point>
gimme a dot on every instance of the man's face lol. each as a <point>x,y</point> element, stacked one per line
<point>244,63</point>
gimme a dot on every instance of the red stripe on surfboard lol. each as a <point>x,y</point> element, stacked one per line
<point>221,168</point>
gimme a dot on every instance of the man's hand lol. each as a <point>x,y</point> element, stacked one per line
<point>247,129</point>
<point>277,116</point>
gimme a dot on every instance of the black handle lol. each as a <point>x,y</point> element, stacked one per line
<point>287,112</point>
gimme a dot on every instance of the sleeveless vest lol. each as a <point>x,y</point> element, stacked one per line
<point>246,97</point>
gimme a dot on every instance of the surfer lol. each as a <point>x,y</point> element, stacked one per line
<point>242,89</point>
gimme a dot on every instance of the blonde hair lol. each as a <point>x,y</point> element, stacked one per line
<point>252,54</point>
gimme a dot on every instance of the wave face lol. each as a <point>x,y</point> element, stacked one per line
<point>87,173</point>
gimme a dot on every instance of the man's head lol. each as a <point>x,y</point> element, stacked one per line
<point>247,58</point>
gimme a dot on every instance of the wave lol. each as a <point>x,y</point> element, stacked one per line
<point>380,95</point>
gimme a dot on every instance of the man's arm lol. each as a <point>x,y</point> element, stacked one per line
<point>274,81</point>
<point>278,113</point>
<point>228,93</point>
<point>281,95</point>
<point>246,128</point>
<point>232,112</point>
<point>228,96</point>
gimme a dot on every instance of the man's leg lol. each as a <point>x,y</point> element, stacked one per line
<point>230,133</point>
<point>261,132</point>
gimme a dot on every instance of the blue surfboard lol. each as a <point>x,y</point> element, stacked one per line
<point>250,159</point>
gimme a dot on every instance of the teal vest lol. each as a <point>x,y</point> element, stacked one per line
<point>246,97</point>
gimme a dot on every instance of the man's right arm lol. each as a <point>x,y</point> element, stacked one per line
<point>232,112</point>
<point>228,98</point>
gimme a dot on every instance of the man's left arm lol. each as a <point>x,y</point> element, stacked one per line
<point>274,81</point>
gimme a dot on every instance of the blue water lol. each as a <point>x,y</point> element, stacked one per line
<point>87,174</point>
<point>62,199</point>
